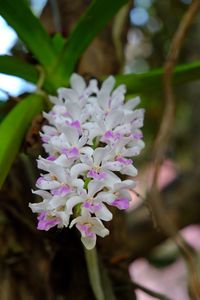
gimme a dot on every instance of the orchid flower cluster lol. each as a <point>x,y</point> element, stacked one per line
<point>92,136</point>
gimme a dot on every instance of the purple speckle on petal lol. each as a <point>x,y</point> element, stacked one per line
<point>76,124</point>
<point>124,161</point>
<point>87,205</point>
<point>71,152</point>
<point>111,136</point>
<point>137,136</point>
<point>44,223</point>
<point>64,151</point>
<point>61,191</point>
<point>51,158</point>
<point>96,207</point>
<point>40,180</point>
<point>92,207</point>
<point>85,230</point>
<point>121,203</point>
<point>45,138</point>
<point>97,175</point>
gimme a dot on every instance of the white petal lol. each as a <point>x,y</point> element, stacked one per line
<point>71,202</point>
<point>67,94</point>
<point>113,119</point>
<point>99,154</point>
<point>79,183</point>
<point>104,93</point>
<point>129,170</point>
<point>62,161</point>
<point>78,169</point>
<point>112,165</point>
<point>132,103</point>
<point>55,100</point>
<point>47,184</point>
<point>74,110</point>
<point>39,207</point>
<point>64,217</point>
<point>126,184</point>
<point>119,91</point>
<point>82,141</point>
<point>71,134</point>
<point>94,186</point>
<point>125,194</point>
<point>77,83</point>
<point>99,228</point>
<point>106,197</point>
<point>43,194</point>
<point>56,202</point>
<point>87,151</point>
<point>104,213</point>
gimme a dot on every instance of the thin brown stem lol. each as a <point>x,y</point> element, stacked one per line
<point>156,207</point>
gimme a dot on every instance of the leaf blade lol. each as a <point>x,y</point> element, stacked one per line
<point>11,65</point>
<point>30,31</point>
<point>85,31</point>
<point>13,128</point>
<point>153,80</point>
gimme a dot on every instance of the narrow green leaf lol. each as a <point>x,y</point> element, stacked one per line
<point>136,83</point>
<point>14,66</point>
<point>98,14</point>
<point>58,41</point>
<point>30,31</point>
<point>153,80</point>
<point>13,129</point>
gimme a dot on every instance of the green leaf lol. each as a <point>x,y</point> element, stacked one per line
<point>136,83</point>
<point>153,80</point>
<point>13,129</point>
<point>30,31</point>
<point>58,41</point>
<point>14,66</point>
<point>98,14</point>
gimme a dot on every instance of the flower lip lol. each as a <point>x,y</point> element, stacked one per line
<point>85,230</point>
<point>124,161</point>
<point>45,222</point>
<point>72,152</point>
<point>110,136</point>
<point>97,174</point>
<point>61,191</point>
<point>121,203</point>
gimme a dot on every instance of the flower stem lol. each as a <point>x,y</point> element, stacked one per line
<point>94,273</point>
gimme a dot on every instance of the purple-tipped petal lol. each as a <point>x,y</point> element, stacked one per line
<point>137,135</point>
<point>46,224</point>
<point>85,230</point>
<point>124,161</point>
<point>71,152</point>
<point>61,191</point>
<point>111,136</point>
<point>40,180</point>
<point>92,207</point>
<point>121,203</point>
<point>51,158</point>
<point>96,175</point>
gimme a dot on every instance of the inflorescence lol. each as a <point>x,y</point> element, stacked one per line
<point>92,136</point>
